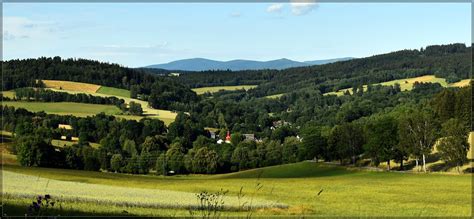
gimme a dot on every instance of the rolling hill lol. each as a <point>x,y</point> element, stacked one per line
<point>201,64</point>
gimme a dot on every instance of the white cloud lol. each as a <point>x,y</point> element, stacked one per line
<point>22,28</point>
<point>302,7</point>
<point>275,8</point>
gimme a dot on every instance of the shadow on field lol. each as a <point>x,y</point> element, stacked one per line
<point>411,164</point>
<point>296,170</point>
<point>441,167</point>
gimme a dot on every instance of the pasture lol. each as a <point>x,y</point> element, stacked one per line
<point>86,109</point>
<point>96,90</point>
<point>113,91</point>
<point>72,86</point>
<point>203,90</point>
<point>462,83</point>
<point>164,115</point>
<point>10,94</point>
<point>407,84</point>
<point>62,143</point>
<point>65,108</point>
<point>286,190</point>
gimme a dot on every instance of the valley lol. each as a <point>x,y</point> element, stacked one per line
<point>109,140</point>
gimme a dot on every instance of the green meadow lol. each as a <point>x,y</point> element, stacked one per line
<point>306,188</point>
<point>113,91</point>
<point>65,108</point>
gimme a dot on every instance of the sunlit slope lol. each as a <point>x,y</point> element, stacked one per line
<point>407,84</point>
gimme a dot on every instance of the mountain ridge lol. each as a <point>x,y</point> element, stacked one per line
<point>203,64</point>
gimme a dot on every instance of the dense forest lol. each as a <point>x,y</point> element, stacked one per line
<point>381,123</point>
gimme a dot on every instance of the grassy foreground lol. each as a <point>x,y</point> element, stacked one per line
<point>215,89</point>
<point>343,192</point>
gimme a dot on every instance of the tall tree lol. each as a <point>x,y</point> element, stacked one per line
<point>314,144</point>
<point>382,139</point>
<point>453,145</point>
<point>418,129</point>
<point>347,139</point>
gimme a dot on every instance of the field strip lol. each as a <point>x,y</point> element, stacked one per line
<point>165,115</point>
<point>202,90</point>
<point>70,85</point>
<point>406,84</point>
<point>21,185</point>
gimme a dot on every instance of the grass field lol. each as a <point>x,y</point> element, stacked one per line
<point>295,186</point>
<point>62,143</point>
<point>86,109</point>
<point>65,108</point>
<point>9,94</point>
<point>113,91</point>
<point>165,115</point>
<point>76,87</point>
<point>407,84</point>
<point>72,86</point>
<point>275,96</point>
<point>203,90</point>
<point>462,83</point>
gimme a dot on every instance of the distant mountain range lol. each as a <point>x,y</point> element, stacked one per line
<point>200,64</point>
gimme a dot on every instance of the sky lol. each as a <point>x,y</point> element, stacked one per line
<point>141,34</point>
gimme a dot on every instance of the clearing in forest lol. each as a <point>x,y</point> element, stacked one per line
<point>407,84</point>
<point>71,86</point>
<point>203,90</point>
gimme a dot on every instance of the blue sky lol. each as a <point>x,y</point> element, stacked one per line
<point>149,33</point>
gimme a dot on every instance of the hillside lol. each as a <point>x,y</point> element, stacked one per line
<point>159,92</point>
<point>200,64</point>
<point>406,84</point>
<point>444,61</point>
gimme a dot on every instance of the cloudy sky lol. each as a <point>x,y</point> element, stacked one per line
<point>149,33</point>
